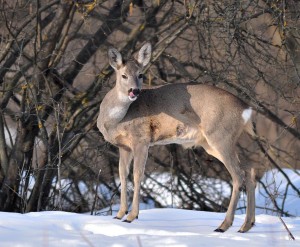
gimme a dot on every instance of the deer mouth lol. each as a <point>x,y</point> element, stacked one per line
<point>133,93</point>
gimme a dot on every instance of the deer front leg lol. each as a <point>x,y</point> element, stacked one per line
<point>140,157</point>
<point>124,164</point>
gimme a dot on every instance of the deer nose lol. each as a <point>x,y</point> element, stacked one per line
<point>136,91</point>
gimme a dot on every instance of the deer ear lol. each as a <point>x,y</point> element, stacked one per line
<point>115,58</point>
<point>144,54</point>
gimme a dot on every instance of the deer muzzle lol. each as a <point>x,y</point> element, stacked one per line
<point>133,93</point>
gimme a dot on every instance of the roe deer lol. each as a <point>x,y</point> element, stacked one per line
<point>189,114</point>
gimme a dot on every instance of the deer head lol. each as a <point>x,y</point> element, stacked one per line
<point>129,74</point>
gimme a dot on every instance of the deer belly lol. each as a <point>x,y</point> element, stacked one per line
<point>181,134</point>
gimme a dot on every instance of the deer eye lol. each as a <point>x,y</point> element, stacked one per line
<point>124,77</point>
<point>140,76</point>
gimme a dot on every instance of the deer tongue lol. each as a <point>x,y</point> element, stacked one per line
<point>131,94</point>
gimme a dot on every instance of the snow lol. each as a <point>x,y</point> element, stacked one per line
<point>155,227</point>
<point>167,227</point>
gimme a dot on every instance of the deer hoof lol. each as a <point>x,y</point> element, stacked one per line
<point>219,230</point>
<point>127,221</point>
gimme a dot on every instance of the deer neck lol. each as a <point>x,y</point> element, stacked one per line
<point>113,109</point>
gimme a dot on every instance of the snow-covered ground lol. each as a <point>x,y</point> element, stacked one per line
<point>155,227</point>
<point>160,227</point>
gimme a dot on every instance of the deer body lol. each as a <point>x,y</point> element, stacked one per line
<point>170,122</point>
<point>186,114</point>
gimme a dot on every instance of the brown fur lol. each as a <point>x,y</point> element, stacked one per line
<point>186,114</point>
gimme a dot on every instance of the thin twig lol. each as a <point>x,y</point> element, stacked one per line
<point>56,114</point>
<point>287,229</point>
<point>96,193</point>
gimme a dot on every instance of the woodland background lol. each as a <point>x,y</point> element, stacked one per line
<point>54,73</point>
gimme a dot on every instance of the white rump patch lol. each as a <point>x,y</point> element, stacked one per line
<point>247,114</point>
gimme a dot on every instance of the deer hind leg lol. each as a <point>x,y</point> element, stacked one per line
<point>231,162</point>
<point>124,165</point>
<point>140,157</point>
<point>238,179</point>
<point>250,190</point>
